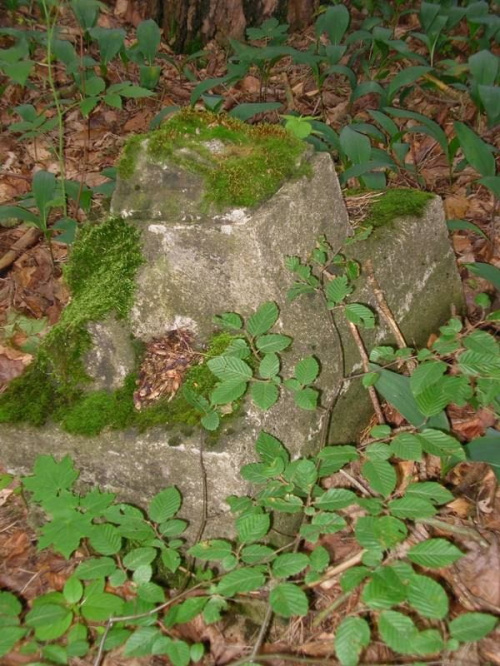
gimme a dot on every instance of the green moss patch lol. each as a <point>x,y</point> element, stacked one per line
<point>395,203</point>
<point>246,165</point>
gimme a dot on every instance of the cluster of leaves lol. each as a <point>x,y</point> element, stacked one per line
<point>462,367</point>
<point>251,362</point>
<point>119,595</point>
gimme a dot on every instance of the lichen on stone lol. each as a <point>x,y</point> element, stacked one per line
<point>241,164</point>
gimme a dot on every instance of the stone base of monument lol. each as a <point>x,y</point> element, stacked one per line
<point>199,264</point>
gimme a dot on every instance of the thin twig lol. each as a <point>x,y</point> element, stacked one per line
<point>262,633</point>
<point>332,572</point>
<point>366,367</point>
<point>386,312</point>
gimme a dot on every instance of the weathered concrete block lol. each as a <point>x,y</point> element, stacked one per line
<point>200,262</point>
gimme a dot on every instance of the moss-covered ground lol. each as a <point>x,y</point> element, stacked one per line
<point>101,274</point>
<point>251,165</point>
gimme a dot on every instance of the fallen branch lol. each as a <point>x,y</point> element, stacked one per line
<point>27,240</point>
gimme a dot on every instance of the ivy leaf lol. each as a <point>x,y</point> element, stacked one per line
<point>288,600</point>
<point>264,319</point>
<point>306,370</point>
<point>471,627</point>
<point>381,476</point>
<point>428,597</point>
<point>434,553</point>
<point>353,634</point>
<point>264,394</point>
<point>165,505</point>
<point>50,477</point>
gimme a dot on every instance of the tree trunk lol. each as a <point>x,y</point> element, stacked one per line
<point>188,24</point>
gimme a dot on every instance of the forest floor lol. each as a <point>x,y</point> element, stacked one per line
<point>33,294</point>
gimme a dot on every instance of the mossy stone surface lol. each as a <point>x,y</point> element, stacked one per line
<point>202,162</point>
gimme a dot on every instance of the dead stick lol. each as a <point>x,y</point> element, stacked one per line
<point>386,312</point>
<point>366,367</point>
<point>27,240</point>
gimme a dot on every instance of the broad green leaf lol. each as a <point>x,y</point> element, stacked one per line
<point>306,398</point>
<point>428,597</point>
<point>241,580</point>
<point>486,449</point>
<point>171,559</point>
<point>413,508</point>
<point>230,368</point>
<point>384,589</point>
<point>430,490</point>
<point>486,271</point>
<point>471,627</point>
<point>101,606</point>
<point>334,458</point>
<point>288,600</point>
<point>319,559</point>
<point>186,611</point>
<point>151,592</point>
<point>360,315</point>
<point>264,394</point>
<point>228,391</point>
<point>406,77</point>
<point>272,342</point>
<point>10,606</point>
<point>407,447</point>
<point>141,642</point>
<point>9,637</point>
<point>334,21</point>
<point>426,642</point>
<point>352,635</point>
<point>477,153</point>
<point>50,621</point>
<point>434,553</point>
<point>335,498</point>
<point>396,630</point>
<point>178,652</point>
<point>213,550</point>
<point>440,444</point>
<point>252,527</point>
<point>465,225</point>
<point>50,477</point>
<point>110,41</point>
<point>493,184</point>
<point>426,375</point>
<point>353,577</point>
<point>73,590</point>
<point>148,38</point>
<point>138,557</point>
<point>164,505</point>
<point>210,421</point>
<point>264,319</point>
<point>289,564</point>
<point>355,145</point>
<point>142,574</point>
<point>105,539</point>
<point>95,568</point>
<point>256,554</point>
<point>378,451</point>
<point>307,370</point>
<point>381,476</point>
<point>229,320</point>
<point>269,448</point>
<point>381,533</point>
<point>18,213</point>
<point>337,289</point>
<point>269,366</point>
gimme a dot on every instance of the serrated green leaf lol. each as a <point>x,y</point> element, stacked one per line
<point>426,642</point>
<point>407,447</point>
<point>384,589</point>
<point>151,592</point>
<point>228,391</point>
<point>428,597</point>
<point>352,635</point>
<point>252,527</point>
<point>272,342</point>
<point>306,398</point>
<point>381,476</point>
<point>139,556</point>
<point>212,550</point>
<point>430,490</point>
<point>319,559</point>
<point>73,590</point>
<point>288,600</point>
<point>334,458</point>
<point>353,577</point>
<point>434,553</point>
<point>210,421</point>
<point>396,630</point>
<point>185,611</point>
<point>413,508</point>
<point>140,643</point>
<point>306,370</point>
<point>264,319</point>
<point>50,621</point>
<point>95,568</point>
<point>337,289</point>
<point>171,559</point>
<point>164,505</point>
<point>101,606</point>
<point>440,444</point>
<point>384,532</point>
<point>269,366</point>
<point>471,627</point>
<point>289,564</point>
<point>142,574</point>
<point>256,554</point>
<point>335,498</point>
<point>230,368</point>
<point>241,580</point>
<point>360,315</point>
<point>264,394</point>
<point>105,539</point>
